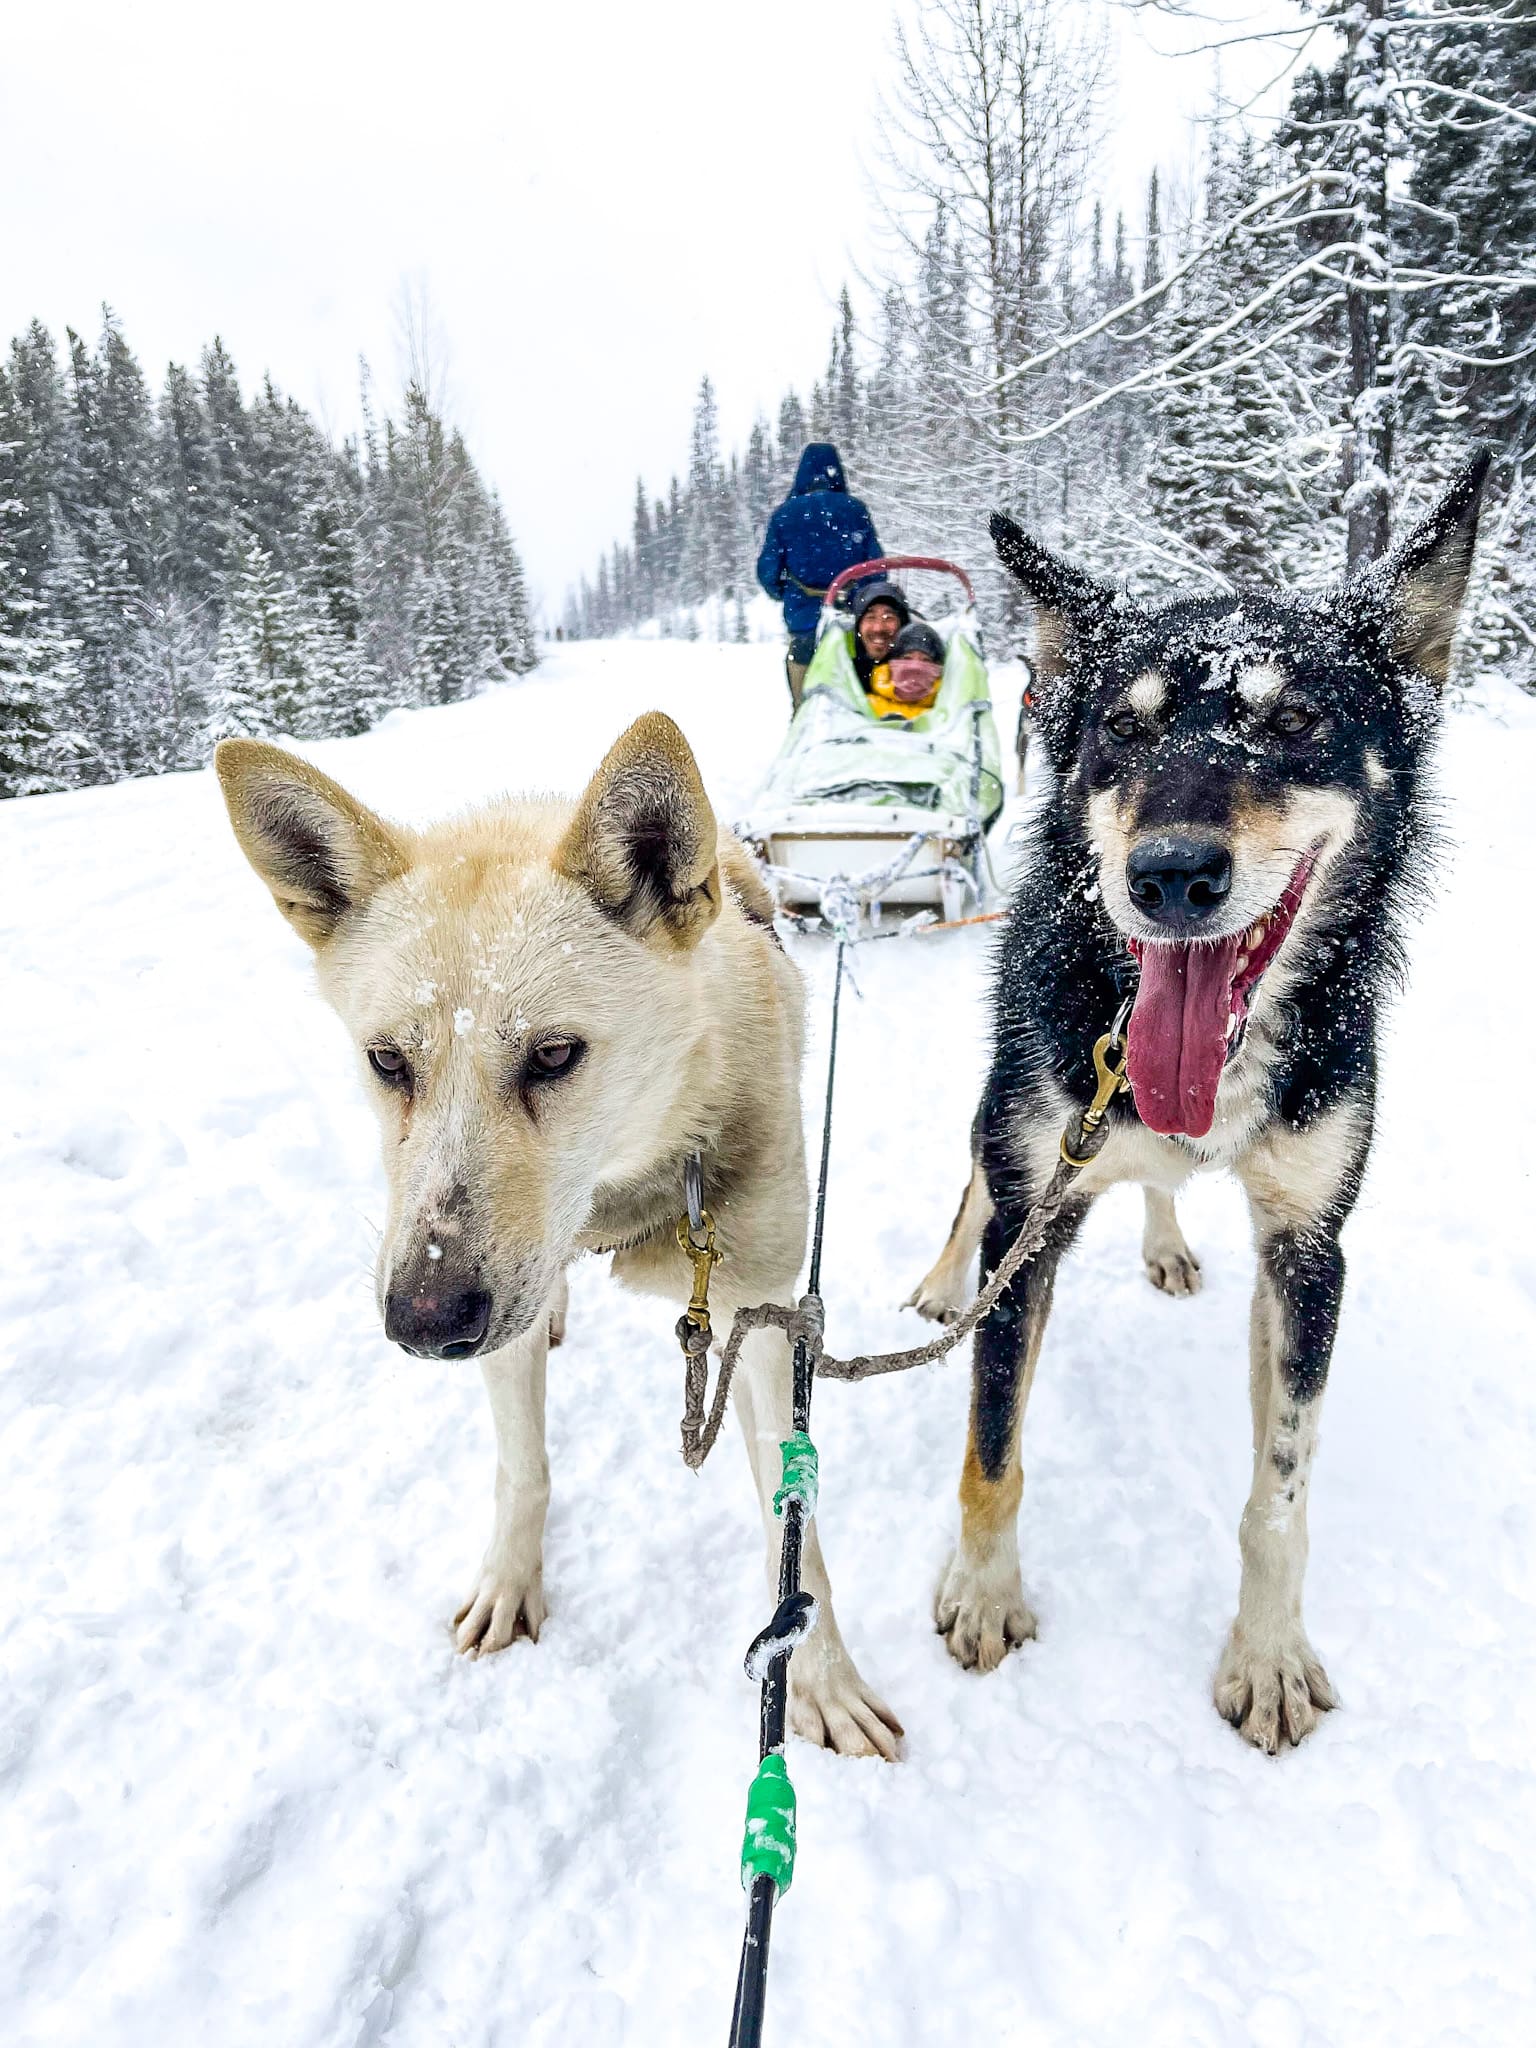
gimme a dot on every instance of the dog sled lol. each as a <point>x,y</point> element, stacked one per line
<point>860,814</point>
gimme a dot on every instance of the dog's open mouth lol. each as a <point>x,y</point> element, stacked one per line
<point>1191,1006</point>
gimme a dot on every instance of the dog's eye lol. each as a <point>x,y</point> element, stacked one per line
<point>391,1066</point>
<point>552,1057</point>
<point>1294,719</point>
<point>1123,724</point>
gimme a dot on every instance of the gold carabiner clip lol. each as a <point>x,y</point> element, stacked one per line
<point>705,1258</point>
<point>1112,1078</point>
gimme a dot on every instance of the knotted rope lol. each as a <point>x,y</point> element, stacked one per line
<point>805,1322</point>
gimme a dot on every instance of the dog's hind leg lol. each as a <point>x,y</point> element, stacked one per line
<point>947,1288</point>
<point>979,1607</point>
<point>1170,1263</point>
<point>508,1597</point>
<point>829,1702</point>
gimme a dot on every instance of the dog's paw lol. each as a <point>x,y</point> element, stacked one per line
<point>831,1705</point>
<point>933,1300</point>
<point>1272,1695</point>
<point>505,1604</point>
<point>981,1614</point>
<point>1172,1268</point>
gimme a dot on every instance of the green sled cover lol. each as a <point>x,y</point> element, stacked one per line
<point>838,751</point>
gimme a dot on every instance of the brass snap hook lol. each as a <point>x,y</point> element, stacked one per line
<point>1112,1077</point>
<point>705,1258</point>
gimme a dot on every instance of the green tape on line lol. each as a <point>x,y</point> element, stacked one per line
<point>768,1846</point>
<point>801,1474</point>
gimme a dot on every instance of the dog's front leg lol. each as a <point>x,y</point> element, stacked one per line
<point>1270,1683</point>
<point>979,1608</point>
<point>829,1702</point>
<point>508,1597</point>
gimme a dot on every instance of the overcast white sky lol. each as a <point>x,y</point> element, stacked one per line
<point>605,200</point>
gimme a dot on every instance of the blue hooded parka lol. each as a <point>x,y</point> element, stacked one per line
<point>816,533</point>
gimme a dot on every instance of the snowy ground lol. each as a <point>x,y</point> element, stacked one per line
<point>251,1796</point>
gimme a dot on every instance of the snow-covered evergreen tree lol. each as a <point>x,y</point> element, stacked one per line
<point>1467,360</point>
<point>794,432</point>
<point>262,681</point>
<point>170,708</point>
<point>42,744</point>
<point>1229,457</point>
<point>703,565</point>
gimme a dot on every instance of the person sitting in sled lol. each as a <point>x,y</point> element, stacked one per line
<point>818,531</point>
<point>907,684</point>
<point>880,610</point>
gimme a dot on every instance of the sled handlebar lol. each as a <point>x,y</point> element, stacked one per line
<point>881,563</point>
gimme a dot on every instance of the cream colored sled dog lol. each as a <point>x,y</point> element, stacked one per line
<point>554,1004</point>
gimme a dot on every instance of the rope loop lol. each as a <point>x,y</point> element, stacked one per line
<point>805,1323</point>
<point>808,1323</point>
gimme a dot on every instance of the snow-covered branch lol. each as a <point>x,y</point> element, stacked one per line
<point>1156,375</point>
<point>1403,86</point>
<point>1221,239</point>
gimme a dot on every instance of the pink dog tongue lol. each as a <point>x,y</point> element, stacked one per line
<point>1177,1042</point>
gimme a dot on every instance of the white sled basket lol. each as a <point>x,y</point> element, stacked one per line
<point>824,857</point>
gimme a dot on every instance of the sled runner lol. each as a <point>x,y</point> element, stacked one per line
<point>884,811</point>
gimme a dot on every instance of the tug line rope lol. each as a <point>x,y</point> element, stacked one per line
<point>768,1841</point>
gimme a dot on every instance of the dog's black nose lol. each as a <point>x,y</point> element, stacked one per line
<point>440,1325</point>
<point>1178,882</point>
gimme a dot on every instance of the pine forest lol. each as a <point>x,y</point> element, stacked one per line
<point>178,571</point>
<point>1257,376</point>
<point>1254,377</point>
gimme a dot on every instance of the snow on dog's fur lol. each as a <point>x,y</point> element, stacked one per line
<point>554,1005</point>
<point>1237,821</point>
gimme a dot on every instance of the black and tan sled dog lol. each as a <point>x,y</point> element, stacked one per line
<point>1237,823</point>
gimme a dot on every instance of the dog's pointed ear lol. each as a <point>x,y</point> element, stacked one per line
<point>1422,583</point>
<point>643,842</point>
<point>1068,604</point>
<point>320,852</point>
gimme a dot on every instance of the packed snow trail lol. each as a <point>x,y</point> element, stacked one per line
<point>252,1796</point>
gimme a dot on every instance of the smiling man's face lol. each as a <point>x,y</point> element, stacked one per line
<point>878,628</point>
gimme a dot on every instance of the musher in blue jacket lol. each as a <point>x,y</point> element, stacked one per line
<point>816,533</point>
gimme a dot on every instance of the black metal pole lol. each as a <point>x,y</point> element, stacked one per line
<point>752,1977</point>
<point>752,1974</point>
